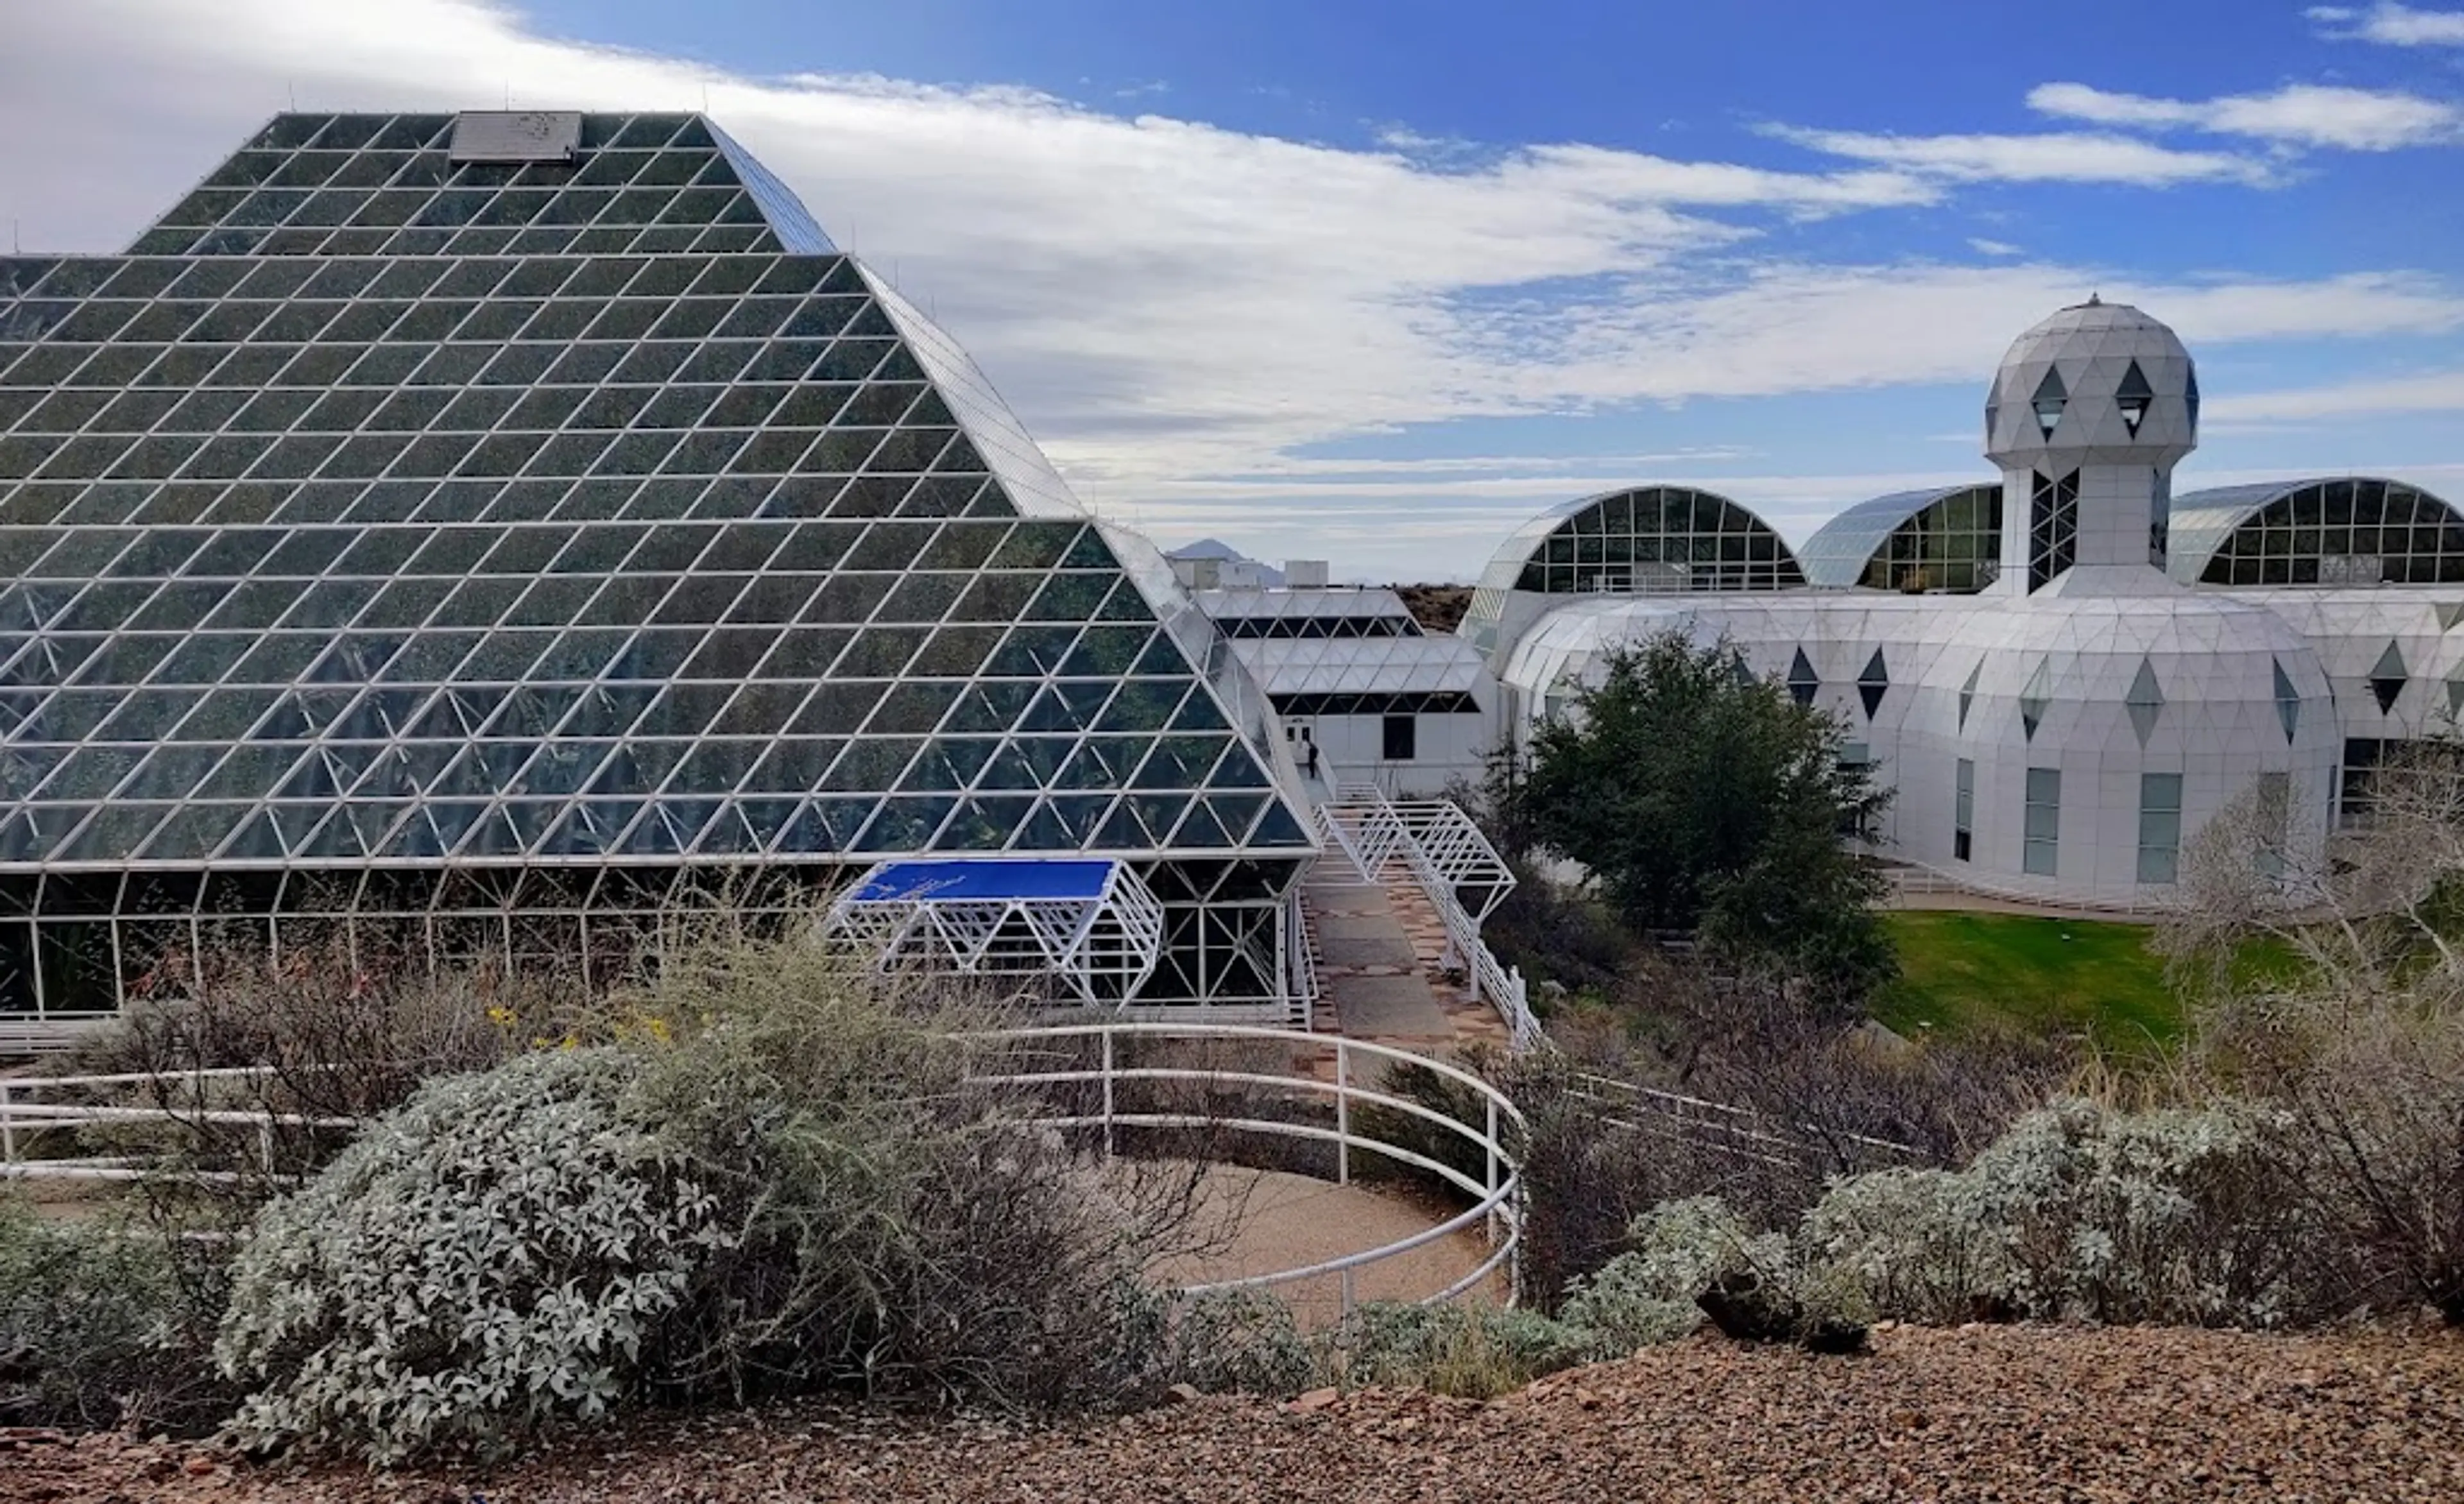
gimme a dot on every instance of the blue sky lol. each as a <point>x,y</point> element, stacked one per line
<point>1371,281</point>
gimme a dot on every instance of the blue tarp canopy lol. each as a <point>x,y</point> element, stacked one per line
<point>986,880</point>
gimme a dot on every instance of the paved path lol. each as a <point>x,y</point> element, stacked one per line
<point>1381,952</point>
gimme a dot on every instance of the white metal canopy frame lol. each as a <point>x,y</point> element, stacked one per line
<point>1091,925</point>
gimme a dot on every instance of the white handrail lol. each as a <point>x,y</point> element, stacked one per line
<point>1497,1192</point>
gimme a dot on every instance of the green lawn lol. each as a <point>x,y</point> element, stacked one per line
<point>1972,972</point>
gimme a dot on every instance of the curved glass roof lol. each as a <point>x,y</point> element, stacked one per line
<point>2321,530</point>
<point>1640,541</point>
<point>1947,538</point>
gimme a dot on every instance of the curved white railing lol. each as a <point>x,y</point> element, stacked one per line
<point>1497,1194</point>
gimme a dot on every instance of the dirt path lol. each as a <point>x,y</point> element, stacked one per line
<point>1258,1222</point>
<point>2017,1414</point>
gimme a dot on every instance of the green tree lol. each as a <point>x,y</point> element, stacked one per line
<point>1701,798</point>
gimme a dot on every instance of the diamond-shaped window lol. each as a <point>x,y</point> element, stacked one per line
<point>2033,700</point>
<point>2388,678</point>
<point>2051,398</point>
<point>2133,397</point>
<point>2145,703</point>
<point>1802,680</point>
<point>1873,683</point>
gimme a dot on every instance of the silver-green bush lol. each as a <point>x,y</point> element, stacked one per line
<point>2082,1213</point>
<point>1647,1294</point>
<point>1238,1341</point>
<point>496,1251</point>
<point>2079,1212</point>
<point>1476,1351</point>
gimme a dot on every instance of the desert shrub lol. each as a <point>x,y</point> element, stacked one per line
<point>1679,1249</point>
<point>499,1251</point>
<point>2358,1042</point>
<point>785,1174</point>
<point>342,1029</point>
<point>895,1226</point>
<point>2174,1215</point>
<point>2079,1212</point>
<point>1917,1242</point>
<point>100,1328</point>
<point>1238,1341</point>
<point>1697,1257</point>
<point>1813,1103</point>
<point>1475,1352</point>
<point>2372,1083</point>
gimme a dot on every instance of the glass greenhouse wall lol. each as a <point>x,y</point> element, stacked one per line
<point>481,535</point>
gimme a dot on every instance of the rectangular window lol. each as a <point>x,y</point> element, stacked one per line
<point>2160,826</point>
<point>1403,738</point>
<point>2043,829</point>
<point>1963,816</point>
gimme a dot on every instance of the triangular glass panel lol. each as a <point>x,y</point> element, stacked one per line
<point>2288,701</point>
<point>1968,692</point>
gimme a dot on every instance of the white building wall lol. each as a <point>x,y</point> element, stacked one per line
<point>2217,726</point>
<point>1448,749</point>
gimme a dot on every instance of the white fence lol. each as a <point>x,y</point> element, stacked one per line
<point>1740,1131</point>
<point>1916,880</point>
<point>31,1112</point>
<point>1496,1193</point>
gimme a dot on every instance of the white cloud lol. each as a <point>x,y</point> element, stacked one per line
<point>2391,24</point>
<point>2048,157</point>
<point>1180,310</point>
<point>2435,391</point>
<point>2297,115</point>
<point>1985,247</point>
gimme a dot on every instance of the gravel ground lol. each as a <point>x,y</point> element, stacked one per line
<point>1977,1414</point>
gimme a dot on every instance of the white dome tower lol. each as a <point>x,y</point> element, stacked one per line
<point>2087,417</point>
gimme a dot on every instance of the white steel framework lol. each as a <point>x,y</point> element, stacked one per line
<point>1092,926</point>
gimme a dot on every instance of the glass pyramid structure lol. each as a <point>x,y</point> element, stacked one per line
<point>499,524</point>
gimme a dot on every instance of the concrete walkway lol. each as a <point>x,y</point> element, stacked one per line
<point>1370,975</point>
<point>1381,954</point>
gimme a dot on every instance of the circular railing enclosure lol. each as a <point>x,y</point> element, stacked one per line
<point>1093,1064</point>
<point>1496,1194</point>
